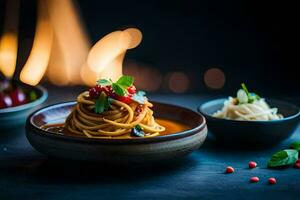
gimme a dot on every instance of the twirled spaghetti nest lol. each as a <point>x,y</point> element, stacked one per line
<point>116,122</point>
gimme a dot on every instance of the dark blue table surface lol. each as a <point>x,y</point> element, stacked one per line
<point>25,173</point>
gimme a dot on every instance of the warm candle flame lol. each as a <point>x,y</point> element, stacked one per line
<point>106,56</point>
<point>8,54</point>
<point>36,65</point>
<point>71,44</point>
<point>9,39</point>
<point>61,48</point>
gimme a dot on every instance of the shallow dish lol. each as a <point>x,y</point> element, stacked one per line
<point>251,132</point>
<point>140,150</point>
<point>12,116</point>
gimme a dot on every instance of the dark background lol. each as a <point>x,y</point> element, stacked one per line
<point>250,41</point>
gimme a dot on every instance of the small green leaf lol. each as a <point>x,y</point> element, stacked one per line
<point>282,158</point>
<point>32,96</point>
<point>139,97</point>
<point>138,127</point>
<point>296,145</point>
<point>118,89</point>
<point>137,131</point>
<point>125,81</point>
<point>102,103</point>
<point>245,89</point>
<point>103,82</point>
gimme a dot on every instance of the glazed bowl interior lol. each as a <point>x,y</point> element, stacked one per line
<point>121,150</point>
<point>17,115</point>
<point>251,132</point>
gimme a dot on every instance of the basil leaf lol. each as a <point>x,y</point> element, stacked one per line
<point>139,97</point>
<point>125,81</point>
<point>138,127</point>
<point>282,158</point>
<point>137,131</point>
<point>118,89</point>
<point>296,145</point>
<point>103,82</point>
<point>102,103</point>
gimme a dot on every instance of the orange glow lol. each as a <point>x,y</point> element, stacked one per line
<point>178,82</point>
<point>214,78</point>
<point>8,54</point>
<point>107,55</point>
<point>36,65</point>
<point>61,48</point>
<point>71,44</point>
<point>9,39</point>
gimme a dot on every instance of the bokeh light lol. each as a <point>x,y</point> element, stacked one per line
<point>178,82</point>
<point>145,76</point>
<point>214,78</point>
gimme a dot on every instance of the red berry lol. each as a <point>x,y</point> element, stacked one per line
<point>124,99</point>
<point>229,169</point>
<point>18,97</point>
<point>297,165</point>
<point>252,164</point>
<point>5,101</point>
<point>298,161</point>
<point>98,88</point>
<point>131,90</point>
<point>108,90</point>
<point>94,93</point>
<point>2,102</point>
<point>254,179</point>
<point>272,180</point>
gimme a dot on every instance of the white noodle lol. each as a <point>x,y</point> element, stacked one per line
<point>258,110</point>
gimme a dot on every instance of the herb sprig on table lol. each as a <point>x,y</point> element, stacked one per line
<point>285,157</point>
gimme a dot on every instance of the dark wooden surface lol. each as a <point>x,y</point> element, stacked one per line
<point>25,173</point>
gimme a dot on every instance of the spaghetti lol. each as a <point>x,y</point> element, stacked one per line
<point>121,118</point>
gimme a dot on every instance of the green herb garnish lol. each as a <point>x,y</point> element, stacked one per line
<point>119,90</point>
<point>120,87</point>
<point>32,96</point>
<point>103,82</point>
<point>125,81</point>
<point>102,103</point>
<point>244,96</point>
<point>137,131</point>
<point>296,145</point>
<point>283,158</point>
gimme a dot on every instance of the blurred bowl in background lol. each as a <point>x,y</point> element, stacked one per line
<point>236,133</point>
<point>14,116</point>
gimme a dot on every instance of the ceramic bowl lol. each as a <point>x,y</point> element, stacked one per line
<point>116,151</point>
<point>251,132</point>
<point>14,116</point>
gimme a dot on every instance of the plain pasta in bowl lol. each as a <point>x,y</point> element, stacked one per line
<point>248,107</point>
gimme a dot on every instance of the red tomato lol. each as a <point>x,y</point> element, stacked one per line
<point>131,90</point>
<point>124,99</point>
